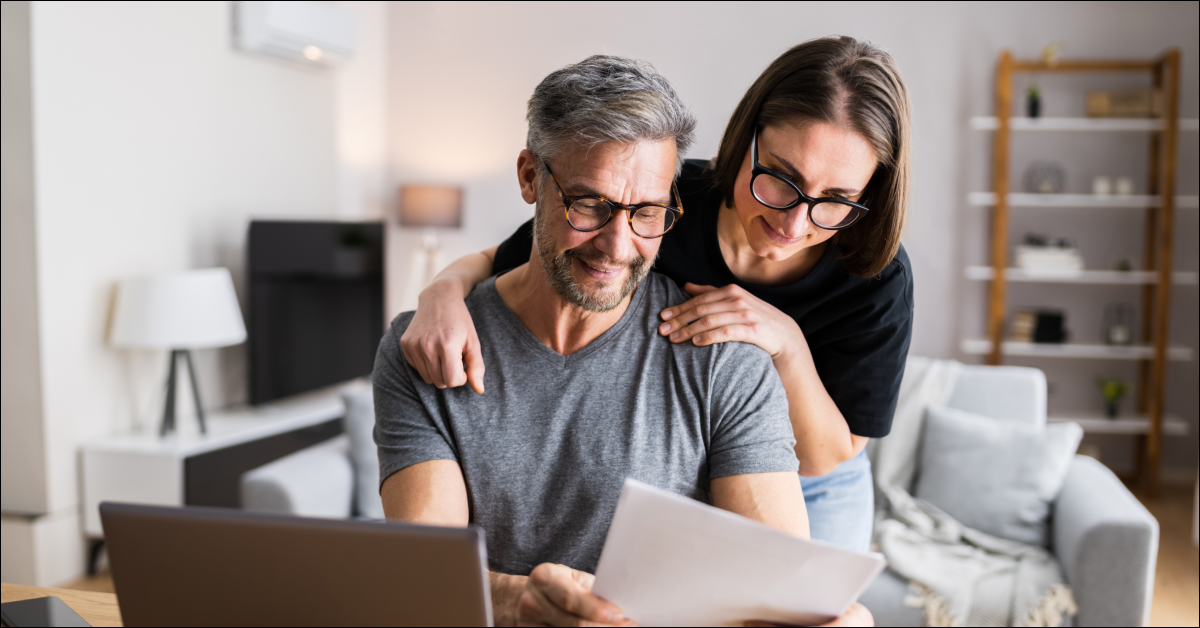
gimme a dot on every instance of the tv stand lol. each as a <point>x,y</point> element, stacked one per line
<point>188,468</point>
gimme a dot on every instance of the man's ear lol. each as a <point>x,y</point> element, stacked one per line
<point>527,176</point>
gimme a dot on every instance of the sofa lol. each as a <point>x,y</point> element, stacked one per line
<point>1106,542</point>
<point>1104,539</point>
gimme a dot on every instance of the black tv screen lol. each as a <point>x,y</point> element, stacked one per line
<point>316,304</point>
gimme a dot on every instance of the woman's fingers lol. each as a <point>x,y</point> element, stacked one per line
<point>692,311</point>
<point>696,289</point>
<point>452,367</point>
<point>709,323</point>
<point>703,294</point>
<point>417,360</point>
<point>473,361</point>
<point>695,307</point>
<point>727,333</point>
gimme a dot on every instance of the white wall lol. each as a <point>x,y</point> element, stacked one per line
<point>361,97</point>
<point>460,74</point>
<point>156,143</point>
<point>22,459</point>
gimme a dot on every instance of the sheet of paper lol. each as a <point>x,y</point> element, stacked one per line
<point>673,561</point>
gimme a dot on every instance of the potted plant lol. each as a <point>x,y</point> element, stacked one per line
<point>1114,390</point>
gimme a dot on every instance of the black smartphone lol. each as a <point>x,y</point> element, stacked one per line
<point>43,611</point>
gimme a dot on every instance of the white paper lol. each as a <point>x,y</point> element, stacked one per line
<point>672,561</point>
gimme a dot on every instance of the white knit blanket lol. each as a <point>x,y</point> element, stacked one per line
<point>959,576</point>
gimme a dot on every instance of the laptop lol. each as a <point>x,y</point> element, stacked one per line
<point>217,567</point>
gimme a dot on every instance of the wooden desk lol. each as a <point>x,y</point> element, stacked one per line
<point>97,609</point>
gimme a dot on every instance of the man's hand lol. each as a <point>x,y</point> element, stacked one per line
<point>556,595</point>
<point>858,615</point>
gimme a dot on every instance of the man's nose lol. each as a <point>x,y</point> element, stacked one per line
<point>616,238</point>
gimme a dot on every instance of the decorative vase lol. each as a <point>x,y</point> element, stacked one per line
<point>1033,105</point>
<point>1110,410</point>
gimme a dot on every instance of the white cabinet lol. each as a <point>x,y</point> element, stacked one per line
<point>189,468</point>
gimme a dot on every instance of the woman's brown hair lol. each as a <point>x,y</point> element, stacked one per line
<point>844,82</point>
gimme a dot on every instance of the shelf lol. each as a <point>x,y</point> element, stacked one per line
<point>1096,424</point>
<point>229,427</point>
<point>989,123</point>
<point>981,346</point>
<point>1113,277</point>
<point>1134,201</point>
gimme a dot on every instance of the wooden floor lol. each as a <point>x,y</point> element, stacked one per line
<point>1176,587</point>
<point>1177,583</point>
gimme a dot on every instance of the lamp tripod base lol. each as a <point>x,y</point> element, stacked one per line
<point>168,421</point>
<point>430,243</point>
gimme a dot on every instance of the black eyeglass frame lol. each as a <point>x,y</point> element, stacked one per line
<point>757,170</point>
<point>614,207</point>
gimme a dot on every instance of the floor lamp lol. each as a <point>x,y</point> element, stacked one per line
<point>178,312</point>
<point>431,207</point>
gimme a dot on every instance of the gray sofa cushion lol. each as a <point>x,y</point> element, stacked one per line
<point>360,427</point>
<point>997,477</point>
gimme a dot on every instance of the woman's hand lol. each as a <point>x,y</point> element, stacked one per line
<point>723,314</point>
<point>440,342</point>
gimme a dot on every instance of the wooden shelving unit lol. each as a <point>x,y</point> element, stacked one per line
<point>1156,281</point>
<point>983,346</point>
<point>1129,426</point>
<point>1095,277</point>
<point>1131,201</point>
<point>991,123</point>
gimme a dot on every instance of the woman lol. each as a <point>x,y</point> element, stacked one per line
<point>798,221</point>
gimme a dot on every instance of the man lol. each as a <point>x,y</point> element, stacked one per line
<point>581,390</point>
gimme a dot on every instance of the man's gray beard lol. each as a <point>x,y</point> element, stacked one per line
<point>558,271</point>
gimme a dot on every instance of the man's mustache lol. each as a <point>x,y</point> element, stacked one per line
<point>602,260</point>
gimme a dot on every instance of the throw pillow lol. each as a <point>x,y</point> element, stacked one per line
<point>359,425</point>
<point>999,477</point>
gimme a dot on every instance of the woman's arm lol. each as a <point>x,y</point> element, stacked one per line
<point>823,438</point>
<point>440,342</point>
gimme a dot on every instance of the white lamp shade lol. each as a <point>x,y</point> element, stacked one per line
<point>190,310</point>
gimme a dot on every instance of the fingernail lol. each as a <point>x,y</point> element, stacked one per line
<point>667,314</point>
<point>664,328</point>
<point>675,336</point>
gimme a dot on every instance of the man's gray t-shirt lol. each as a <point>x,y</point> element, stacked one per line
<point>545,451</point>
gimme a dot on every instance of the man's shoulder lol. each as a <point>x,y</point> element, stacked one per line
<point>661,293</point>
<point>401,322</point>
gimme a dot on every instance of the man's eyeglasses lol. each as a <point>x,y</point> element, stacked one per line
<point>775,190</point>
<point>589,213</point>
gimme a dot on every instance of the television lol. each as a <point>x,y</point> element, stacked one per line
<point>316,312</point>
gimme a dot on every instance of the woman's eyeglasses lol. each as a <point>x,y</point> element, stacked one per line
<point>777,191</point>
<point>589,213</point>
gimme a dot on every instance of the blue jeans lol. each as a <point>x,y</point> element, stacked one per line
<point>841,505</point>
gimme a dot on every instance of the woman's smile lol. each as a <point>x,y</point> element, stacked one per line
<point>778,237</point>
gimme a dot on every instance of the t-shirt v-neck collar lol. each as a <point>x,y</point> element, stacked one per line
<point>554,357</point>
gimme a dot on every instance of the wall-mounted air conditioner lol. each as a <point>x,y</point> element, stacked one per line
<point>310,33</point>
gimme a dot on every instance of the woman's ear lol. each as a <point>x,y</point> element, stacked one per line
<point>527,176</point>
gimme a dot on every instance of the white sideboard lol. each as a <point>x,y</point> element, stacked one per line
<point>189,468</point>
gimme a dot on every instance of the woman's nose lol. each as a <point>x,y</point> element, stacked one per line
<point>795,221</point>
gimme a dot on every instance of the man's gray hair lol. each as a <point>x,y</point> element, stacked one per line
<point>606,99</point>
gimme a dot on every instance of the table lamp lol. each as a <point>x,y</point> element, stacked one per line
<point>179,312</point>
<point>430,206</point>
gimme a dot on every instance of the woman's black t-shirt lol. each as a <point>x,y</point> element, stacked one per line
<point>857,329</point>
